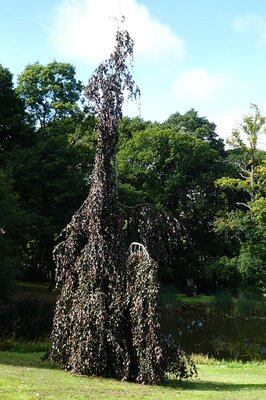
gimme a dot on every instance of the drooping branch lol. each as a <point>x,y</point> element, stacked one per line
<point>106,90</point>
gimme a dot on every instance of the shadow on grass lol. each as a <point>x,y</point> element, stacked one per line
<point>212,385</point>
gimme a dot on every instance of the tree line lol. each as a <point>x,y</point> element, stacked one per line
<point>180,167</point>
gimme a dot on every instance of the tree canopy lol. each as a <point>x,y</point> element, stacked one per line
<point>179,167</point>
<point>11,111</point>
<point>247,221</point>
<point>49,91</point>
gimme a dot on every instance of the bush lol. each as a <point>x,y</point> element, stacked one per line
<point>170,302</point>
<point>9,344</point>
<point>222,304</point>
<point>11,221</point>
<point>176,361</point>
<point>250,304</point>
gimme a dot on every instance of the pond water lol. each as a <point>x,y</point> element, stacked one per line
<point>197,332</point>
<point>228,338</point>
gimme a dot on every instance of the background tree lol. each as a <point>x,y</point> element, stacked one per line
<point>50,92</point>
<point>11,235</point>
<point>247,221</point>
<point>168,167</point>
<point>13,227</point>
<point>197,126</point>
<point>12,113</point>
<point>51,176</point>
<point>174,170</point>
<point>49,164</point>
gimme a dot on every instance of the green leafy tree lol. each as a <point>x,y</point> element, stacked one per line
<point>11,233</point>
<point>52,178</point>
<point>50,166</point>
<point>50,91</point>
<point>191,123</point>
<point>174,170</point>
<point>11,112</point>
<point>247,222</point>
<point>128,126</point>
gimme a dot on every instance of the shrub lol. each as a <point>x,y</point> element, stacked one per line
<point>9,344</point>
<point>170,302</point>
<point>250,303</point>
<point>176,361</point>
<point>222,304</point>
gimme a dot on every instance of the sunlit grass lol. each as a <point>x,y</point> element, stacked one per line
<point>23,376</point>
<point>200,299</point>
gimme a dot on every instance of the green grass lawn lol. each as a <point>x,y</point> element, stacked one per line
<point>23,376</point>
<point>200,299</point>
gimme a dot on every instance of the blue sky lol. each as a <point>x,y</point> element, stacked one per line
<point>204,54</point>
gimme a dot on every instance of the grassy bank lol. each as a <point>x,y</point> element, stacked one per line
<point>223,304</point>
<point>246,305</point>
<point>23,376</point>
<point>170,300</point>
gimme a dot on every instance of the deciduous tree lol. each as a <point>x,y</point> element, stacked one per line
<point>11,112</point>
<point>174,171</point>
<point>247,222</point>
<point>11,234</point>
<point>49,92</point>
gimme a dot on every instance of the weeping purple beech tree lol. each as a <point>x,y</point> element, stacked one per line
<point>106,318</point>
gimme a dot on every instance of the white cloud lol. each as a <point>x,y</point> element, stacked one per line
<point>198,85</point>
<point>253,24</point>
<point>227,122</point>
<point>85,30</point>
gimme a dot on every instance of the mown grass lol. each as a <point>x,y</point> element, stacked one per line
<point>23,376</point>
<point>200,299</point>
